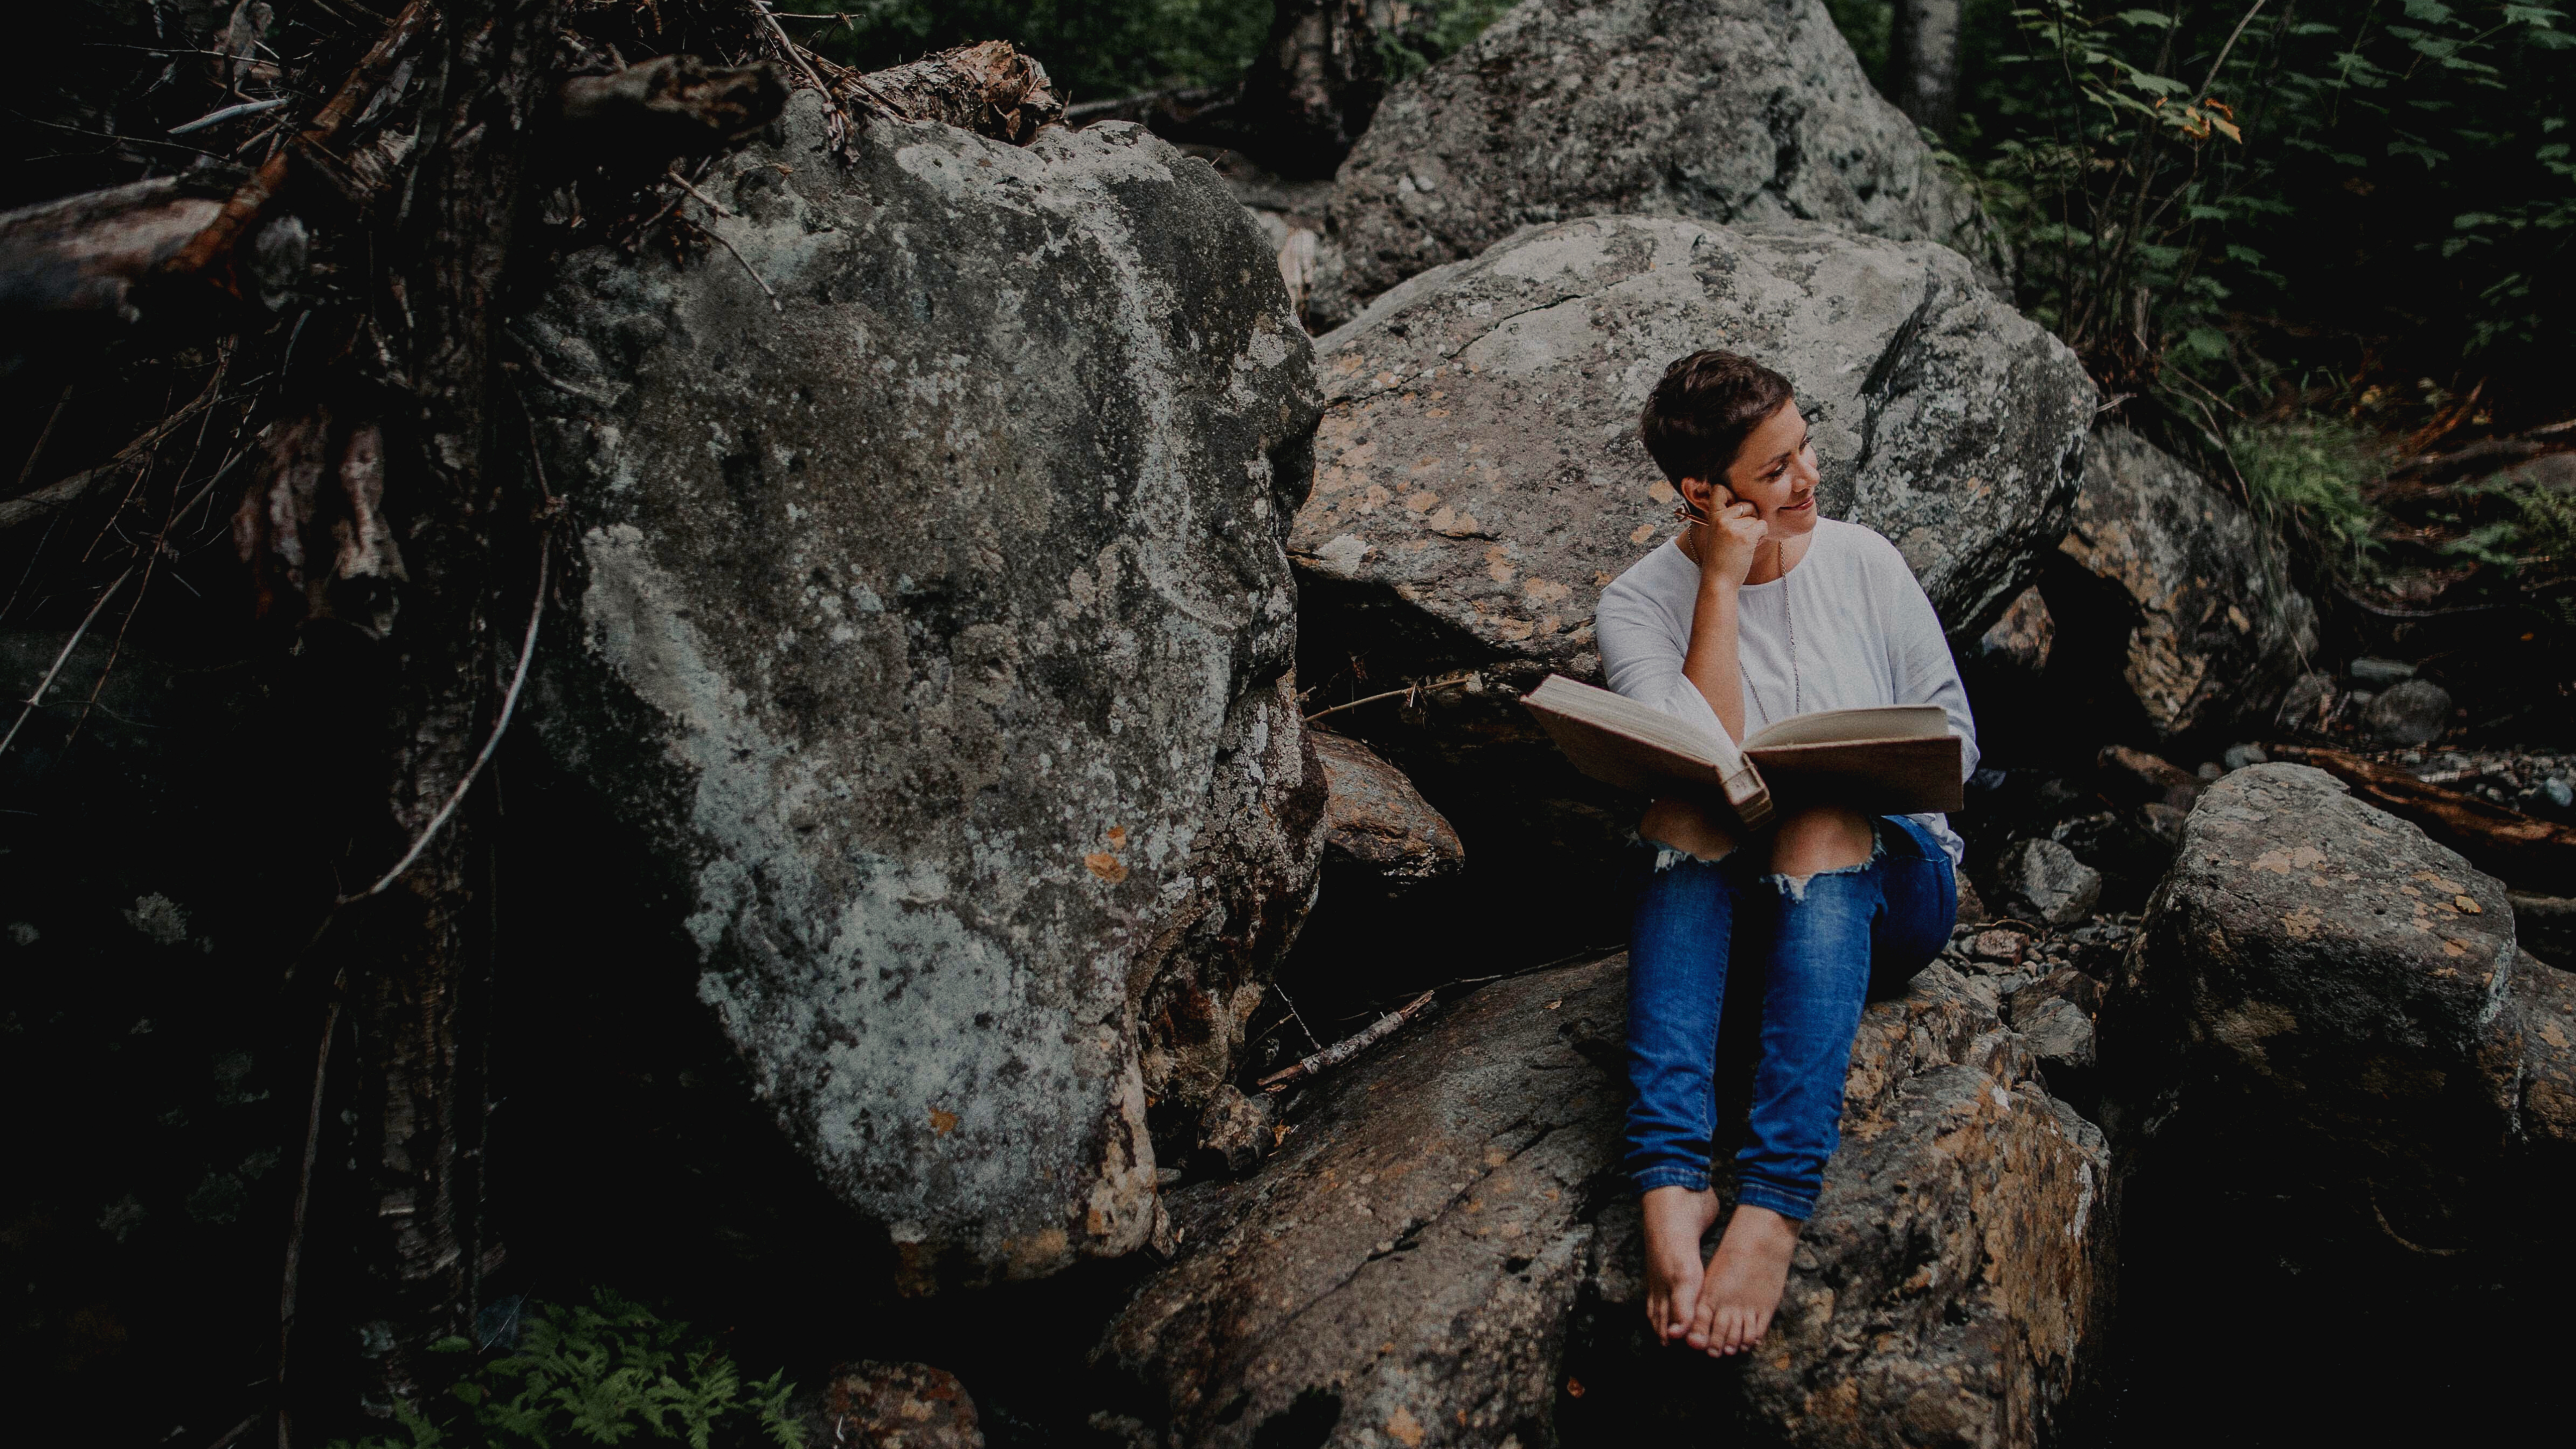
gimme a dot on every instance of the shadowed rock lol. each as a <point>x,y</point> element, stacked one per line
<point>1377,822</point>
<point>1746,111</point>
<point>2318,1011</point>
<point>932,642</point>
<point>1446,1213</point>
<point>2213,631</point>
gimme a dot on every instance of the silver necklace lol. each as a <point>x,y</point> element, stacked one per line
<point>1797,688</point>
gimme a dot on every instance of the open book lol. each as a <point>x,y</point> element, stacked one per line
<point>1896,759</point>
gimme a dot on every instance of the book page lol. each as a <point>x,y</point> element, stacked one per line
<point>1875,722</point>
<point>1637,720</point>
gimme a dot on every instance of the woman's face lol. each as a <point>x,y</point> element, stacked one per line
<point>1775,471</point>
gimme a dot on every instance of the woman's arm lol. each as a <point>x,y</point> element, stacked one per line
<point>1918,653</point>
<point>1724,547</point>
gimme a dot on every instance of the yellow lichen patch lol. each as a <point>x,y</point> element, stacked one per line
<point>1661,491</point>
<point>2455,948</point>
<point>2443,884</point>
<point>2467,906</point>
<point>2302,923</point>
<point>1106,866</point>
<point>1643,532</point>
<point>2282,862</point>
<point>942,1122</point>
<point>1514,630</point>
<point>1374,499</point>
<point>1404,1428</point>
<point>1544,591</point>
<point>1423,500</point>
<point>1116,835</point>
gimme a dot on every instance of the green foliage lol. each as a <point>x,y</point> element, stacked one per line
<point>2536,527</point>
<point>1432,33</point>
<point>1092,49</point>
<point>609,1372</point>
<point>2209,201</point>
<point>2306,481</point>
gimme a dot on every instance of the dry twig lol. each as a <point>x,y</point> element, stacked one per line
<point>509,702</point>
<point>1347,1048</point>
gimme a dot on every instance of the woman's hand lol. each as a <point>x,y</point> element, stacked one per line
<point>1728,542</point>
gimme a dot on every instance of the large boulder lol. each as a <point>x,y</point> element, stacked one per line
<point>1747,111</point>
<point>932,647</point>
<point>1478,472</point>
<point>2318,1018</point>
<point>2177,582</point>
<point>1445,1252</point>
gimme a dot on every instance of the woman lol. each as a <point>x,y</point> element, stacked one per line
<point>1757,612</point>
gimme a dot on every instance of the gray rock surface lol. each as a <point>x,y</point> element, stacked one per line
<point>2412,712</point>
<point>1411,1253</point>
<point>2219,633</point>
<point>1409,1268</point>
<point>2043,881</point>
<point>1377,823</point>
<point>2317,1013</point>
<point>1743,111</point>
<point>1478,474</point>
<point>933,640</point>
<point>1948,1290</point>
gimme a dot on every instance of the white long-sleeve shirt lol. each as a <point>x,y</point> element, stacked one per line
<point>1866,635</point>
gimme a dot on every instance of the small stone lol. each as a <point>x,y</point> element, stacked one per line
<point>2381,673</point>
<point>2415,712</point>
<point>2305,704</point>
<point>1235,1129</point>
<point>2559,793</point>
<point>2211,770</point>
<point>2021,638</point>
<point>2004,947</point>
<point>2237,757</point>
<point>2044,880</point>
<point>911,1404</point>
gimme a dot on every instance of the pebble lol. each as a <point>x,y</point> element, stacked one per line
<point>2237,757</point>
<point>2380,673</point>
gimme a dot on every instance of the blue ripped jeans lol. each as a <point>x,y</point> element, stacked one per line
<point>1805,958</point>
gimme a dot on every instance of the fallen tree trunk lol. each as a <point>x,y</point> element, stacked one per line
<point>2533,854</point>
<point>676,105</point>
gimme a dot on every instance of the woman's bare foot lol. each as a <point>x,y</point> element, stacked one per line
<point>1743,1284</point>
<point>1676,1219</point>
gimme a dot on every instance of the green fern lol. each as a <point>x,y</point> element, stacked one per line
<point>606,1372</point>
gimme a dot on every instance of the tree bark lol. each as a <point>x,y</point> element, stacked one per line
<point>1923,62</point>
<point>420,973</point>
<point>1315,86</point>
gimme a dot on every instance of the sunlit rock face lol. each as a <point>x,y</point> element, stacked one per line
<point>931,631</point>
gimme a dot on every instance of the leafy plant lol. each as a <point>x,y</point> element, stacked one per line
<point>2210,201</point>
<point>2306,481</point>
<point>607,1372</point>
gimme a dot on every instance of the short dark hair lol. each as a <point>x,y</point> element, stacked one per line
<point>1697,418</point>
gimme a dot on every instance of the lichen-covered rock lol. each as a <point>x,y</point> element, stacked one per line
<point>1377,822</point>
<point>1747,111</point>
<point>1478,472</point>
<point>898,1406</point>
<point>2315,1018</point>
<point>2213,630</point>
<point>2545,1001</point>
<point>1948,1289</point>
<point>1407,1269</point>
<point>933,640</point>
